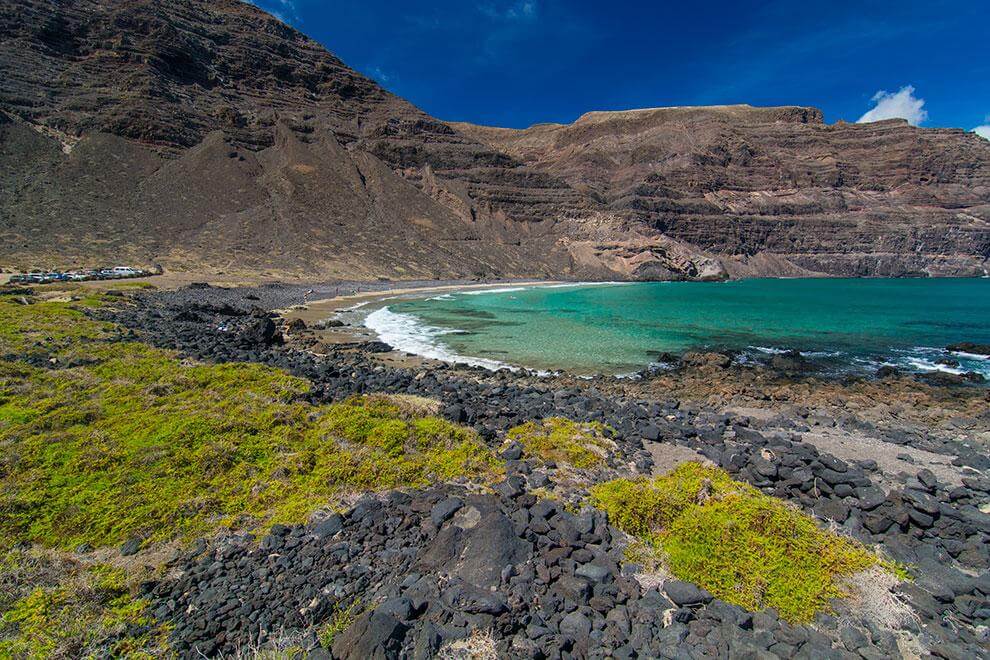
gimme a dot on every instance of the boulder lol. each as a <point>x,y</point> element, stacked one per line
<point>577,626</point>
<point>373,636</point>
<point>328,526</point>
<point>790,362</point>
<point>870,497</point>
<point>685,594</point>
<point>130,547</point>
<point>259,331</point>
<point>444,509</point>
<point>887,371</point>
<point>462,597</point>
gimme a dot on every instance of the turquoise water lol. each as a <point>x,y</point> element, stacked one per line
<point>844,324</point>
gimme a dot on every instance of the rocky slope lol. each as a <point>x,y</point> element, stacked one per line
<point>197,133</point>
<point>775,190</point>
<point>210,136</point>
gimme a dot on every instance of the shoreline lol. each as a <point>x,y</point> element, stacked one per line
<point>416,340</point>
<point>317,311</point>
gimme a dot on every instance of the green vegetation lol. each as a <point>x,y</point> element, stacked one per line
<point>133,442</point>
<point>339,621</point>
<point>115,440</point>
<point>563,441</point>
<point>49,325</point>
<point>743,546</point>
<point>56,607</point>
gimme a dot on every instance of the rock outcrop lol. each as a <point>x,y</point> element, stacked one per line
<point>775,191</point>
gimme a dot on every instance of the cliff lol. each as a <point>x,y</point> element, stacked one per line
<point>208,136</point>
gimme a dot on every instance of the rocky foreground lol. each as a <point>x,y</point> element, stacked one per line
<point>526,570</point>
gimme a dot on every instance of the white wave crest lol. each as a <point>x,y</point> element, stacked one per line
<point>928,365</point>
<point>970,356</point>
<point>405,332</point>
<point>507,289</point>
<point>770,350</point>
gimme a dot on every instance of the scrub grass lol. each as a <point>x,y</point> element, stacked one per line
<point>744,547</point>
<point>582,445</point>
<point>52,606</point>
<point>134,443</point>
<point>339,621</point>
<point>111,440</point>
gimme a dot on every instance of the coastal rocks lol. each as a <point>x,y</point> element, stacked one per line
<point>260,331</point>
<point>942,379</point>
<point>130,547</point>
<point>373,636</point>
<point>888,371</point>
<point>560,588</point>
<point>790,362</point>
<point>719,360</point>
<point>969,347</point>
<point>685,594</point>
<point>437,564</point>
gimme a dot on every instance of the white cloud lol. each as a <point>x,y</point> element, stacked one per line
<point>897,105</point>
<point>520,10</point>
<point>379,75</point>
<point>283,10</point>
<point>983,131</point>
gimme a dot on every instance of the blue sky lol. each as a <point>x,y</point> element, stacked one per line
<point>518,62</point>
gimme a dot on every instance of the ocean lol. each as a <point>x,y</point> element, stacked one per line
<point>842,325</point>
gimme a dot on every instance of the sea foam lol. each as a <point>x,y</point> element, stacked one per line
<point>404,332</point>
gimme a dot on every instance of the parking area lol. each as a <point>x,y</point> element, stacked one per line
<point>85,275</point>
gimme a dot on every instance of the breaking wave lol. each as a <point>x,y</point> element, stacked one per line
<point>404,332</point>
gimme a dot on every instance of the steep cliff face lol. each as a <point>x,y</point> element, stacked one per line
<point>774,190</point>
<point>207,135</point>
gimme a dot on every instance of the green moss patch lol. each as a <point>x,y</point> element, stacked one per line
<point>563,441</point>
<point>743,546</point>
<point>52,326</point>
<point>134,442</point>
<point>339,621</point>
<point>56,607</point>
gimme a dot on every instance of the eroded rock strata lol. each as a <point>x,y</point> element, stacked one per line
<point>549,578</point>
<point>776,190</point>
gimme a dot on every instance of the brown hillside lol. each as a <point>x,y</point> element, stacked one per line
<point>207,135</point>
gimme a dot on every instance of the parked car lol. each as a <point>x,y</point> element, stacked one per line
<point>42,277</point>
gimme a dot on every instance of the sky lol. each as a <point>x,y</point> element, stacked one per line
<point>514,63</point>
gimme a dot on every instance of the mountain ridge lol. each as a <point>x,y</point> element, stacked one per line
<point>209,135</point>
<point>751,184</point>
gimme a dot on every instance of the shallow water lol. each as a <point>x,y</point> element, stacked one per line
<point>846,325</point>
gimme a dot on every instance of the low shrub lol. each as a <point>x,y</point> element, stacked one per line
<point>112,440</point>
<point>339,621</point>
<point>59,608</point>
<point>582,445</point>
<point>744,547</point>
